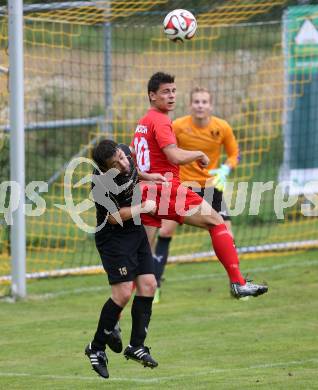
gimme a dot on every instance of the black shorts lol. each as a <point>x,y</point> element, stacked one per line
<point>125,253</point>
<point>215,198</point>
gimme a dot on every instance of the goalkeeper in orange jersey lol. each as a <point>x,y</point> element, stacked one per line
<point>200,131</point>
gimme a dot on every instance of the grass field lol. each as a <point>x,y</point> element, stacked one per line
<point>201,337</point>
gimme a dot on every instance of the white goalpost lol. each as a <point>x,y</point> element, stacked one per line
<point>17,147</point>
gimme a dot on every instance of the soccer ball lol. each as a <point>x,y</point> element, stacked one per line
<point>180,25</point>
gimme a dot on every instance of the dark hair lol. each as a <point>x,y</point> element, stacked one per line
<point>103,151</point>
<point>157,79</point>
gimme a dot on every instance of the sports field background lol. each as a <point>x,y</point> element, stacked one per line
<point>71,79</point>
<point>201,337</point>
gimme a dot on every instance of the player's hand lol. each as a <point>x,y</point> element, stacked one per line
<point>203,161</point>
<point>149,206</point>
<point>221,175</point>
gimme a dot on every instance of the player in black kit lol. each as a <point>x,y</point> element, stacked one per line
<point>125,253</point>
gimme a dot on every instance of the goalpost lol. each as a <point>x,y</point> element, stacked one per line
<point>17,148</point>
<point>86,65</point>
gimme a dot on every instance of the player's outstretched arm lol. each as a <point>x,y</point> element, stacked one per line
<point>125,213</point>
<point>180,156</point>
<point>154,177</point>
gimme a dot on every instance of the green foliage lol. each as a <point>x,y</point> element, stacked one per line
<point>48,150</point>
<point>142,39</point>
<point>4,157</point>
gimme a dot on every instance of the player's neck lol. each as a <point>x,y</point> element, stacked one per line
<point>158,110</point>
<point>201,122</point>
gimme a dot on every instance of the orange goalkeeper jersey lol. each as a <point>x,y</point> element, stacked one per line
<point>209,140</point>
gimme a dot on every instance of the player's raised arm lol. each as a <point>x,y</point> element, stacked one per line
<point>232,152</point>
<point>231,147</point>
<point>180,156</point>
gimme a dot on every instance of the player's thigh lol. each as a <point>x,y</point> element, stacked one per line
<point>168,228</point>
<point>204,216</point>
<point>145,263</point>
<point>151,234</point>
<point>146,285</point>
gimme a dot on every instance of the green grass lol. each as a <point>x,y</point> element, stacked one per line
<point>200,336</point>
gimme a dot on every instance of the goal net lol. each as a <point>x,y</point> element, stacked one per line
<point>86,69</point>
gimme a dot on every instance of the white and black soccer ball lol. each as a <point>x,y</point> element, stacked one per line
<point>180,25</point>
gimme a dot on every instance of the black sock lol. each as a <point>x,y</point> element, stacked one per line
<point>161,256</point>
<point>107,321</point>
<point>140,314</point>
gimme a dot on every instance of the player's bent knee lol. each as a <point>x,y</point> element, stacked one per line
<point>121,293</point>
<point>213,220</point>
<point>146,285</point>
<point>123,299</point>
<point>167,229</point>
<point>166,233</point>
<point>149,288</point>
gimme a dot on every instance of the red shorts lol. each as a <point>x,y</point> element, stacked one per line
<point>173,202</point>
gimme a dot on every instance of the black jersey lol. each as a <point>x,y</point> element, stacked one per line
<point>109,198</point>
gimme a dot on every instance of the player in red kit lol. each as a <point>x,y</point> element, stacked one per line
<point>156,151</point>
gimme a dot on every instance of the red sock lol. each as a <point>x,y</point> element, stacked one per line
<point>225,251</point>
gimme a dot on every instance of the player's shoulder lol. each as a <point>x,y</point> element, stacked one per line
<point>158,115</point>
<point>179,124</point>
<point>181,121</point>
<point>155,119</point>
<point>219,122</point>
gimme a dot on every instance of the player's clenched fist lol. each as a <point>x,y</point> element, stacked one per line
<point>149,206</point>
<point>203,161</point>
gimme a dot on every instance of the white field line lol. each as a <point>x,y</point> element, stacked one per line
<point>204,373</point>
<point>306,263</point>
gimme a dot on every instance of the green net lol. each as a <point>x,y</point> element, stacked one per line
<point>86,69</point>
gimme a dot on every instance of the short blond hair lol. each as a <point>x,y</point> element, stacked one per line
<point>198,90</point>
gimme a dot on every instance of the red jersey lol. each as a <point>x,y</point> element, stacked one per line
<point>153,133</point>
